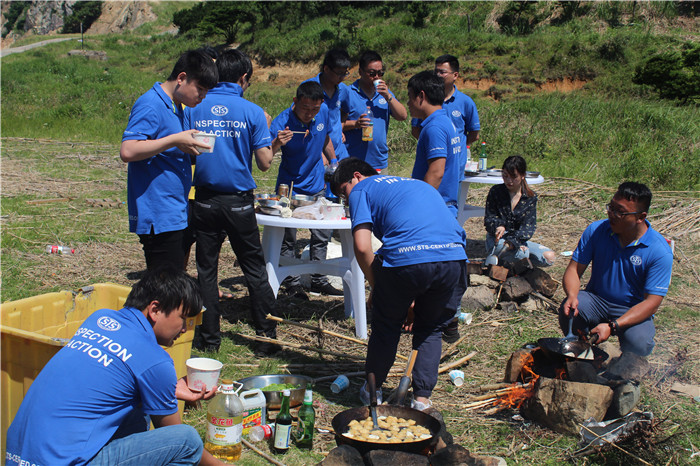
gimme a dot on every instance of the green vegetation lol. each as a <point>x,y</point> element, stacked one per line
<point>84,14</point>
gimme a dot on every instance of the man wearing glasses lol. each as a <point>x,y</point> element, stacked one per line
<point>630,275</point>
<point>365,93</point>
<point>459,106</point>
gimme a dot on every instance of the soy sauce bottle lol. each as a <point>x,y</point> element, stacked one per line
<point>283,426</point>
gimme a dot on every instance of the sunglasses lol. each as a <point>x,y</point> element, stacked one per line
<point>373,73</point>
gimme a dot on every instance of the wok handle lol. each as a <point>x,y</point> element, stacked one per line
<point>593,339</point>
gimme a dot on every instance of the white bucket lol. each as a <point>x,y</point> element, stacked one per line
<point>202,372</point>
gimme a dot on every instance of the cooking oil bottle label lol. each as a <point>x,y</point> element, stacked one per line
<point>224,430</point>
<point>282,434</point>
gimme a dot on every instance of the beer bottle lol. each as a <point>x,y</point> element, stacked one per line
<point>283,425</point>
<point>304,433</point>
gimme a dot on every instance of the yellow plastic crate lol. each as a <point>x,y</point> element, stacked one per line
<point>34,329</point>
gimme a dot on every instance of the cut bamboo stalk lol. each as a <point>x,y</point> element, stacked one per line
<point>261,453</point>
<point>457,363</point>
<point>298,346</point>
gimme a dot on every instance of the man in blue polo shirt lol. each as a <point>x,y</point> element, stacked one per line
<point>439,146</point>
<point>422,260</point>
<point>365,93</point>
<point>158,152</point>
<point>224,198</point>
<point>334,70</point>
<point>302,132</point>
<point>630,275</point>
<point>92,401</point>
<point>459,107</point>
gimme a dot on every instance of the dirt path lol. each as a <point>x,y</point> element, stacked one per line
<point>24,48</point>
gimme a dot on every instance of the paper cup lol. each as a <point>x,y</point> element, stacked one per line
<point>202,372</point>
<point>340,384</point>
<point>377,82</point>
<point>465,318</point>
<point>457,377</point>
<point>206,138</point>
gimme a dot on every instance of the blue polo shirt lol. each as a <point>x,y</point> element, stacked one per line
<point>112,366</point>
<point>157,187</point>
<point>354,102</point>
<point>623,275</point>
<point>462,111</point>
<point>333,104</point>
<point>439,139</point>
<point>410,219</point>
<point>240,127</point>
<point>302,156</point>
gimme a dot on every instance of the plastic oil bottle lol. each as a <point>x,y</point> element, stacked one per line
<point>225,424</point>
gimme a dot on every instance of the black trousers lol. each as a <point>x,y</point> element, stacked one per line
<point>234,214</point>
<point>164,248</point>
<point>437,288</point>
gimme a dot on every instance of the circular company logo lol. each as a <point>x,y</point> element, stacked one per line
<point>219,110</point>
<point>382,100</point>
<point>319,127</point>
<point>337,103</point>
<point>636,260</point>
<point>107,323</point>
<point>456,113</point>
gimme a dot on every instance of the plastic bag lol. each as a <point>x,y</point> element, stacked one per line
<point>310,212</point>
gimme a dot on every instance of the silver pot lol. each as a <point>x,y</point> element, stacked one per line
<point>299,200</point>
<point>274,399</point>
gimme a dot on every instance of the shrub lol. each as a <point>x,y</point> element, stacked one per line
<point>674,75</point>
<point>85,13</point>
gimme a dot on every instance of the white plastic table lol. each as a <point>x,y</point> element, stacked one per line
<point>467,211</point>
<point>346,267</point>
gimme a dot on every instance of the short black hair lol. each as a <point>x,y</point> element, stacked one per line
<point>368,57</point>
<point>450,60</point>
<point>171,287</point>
<point>310,90</point>
<point>336,58</point>
<point>232,64</point>
<point>636,192</point>
<point>199,66</point>
<point>346,168</point>
<point>431,84</point>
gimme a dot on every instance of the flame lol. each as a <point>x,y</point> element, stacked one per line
<point>517,394</point>
<point>560,373</point>
<point>527,371</point>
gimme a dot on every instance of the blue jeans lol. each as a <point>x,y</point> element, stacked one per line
<point>170,445</point>
<point>534,251</point>
<point>593,310</point>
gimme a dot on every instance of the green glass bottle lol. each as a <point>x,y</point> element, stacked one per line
<point>483,161</point>
<point>283,425</point>
<point>304,433</point>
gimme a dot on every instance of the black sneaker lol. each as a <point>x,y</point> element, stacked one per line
<point>451,333</point>
<point>263,349</point>
<point>326,289</point>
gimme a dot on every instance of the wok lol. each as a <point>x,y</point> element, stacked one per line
<point>341,420</point>
<point>555,349</point>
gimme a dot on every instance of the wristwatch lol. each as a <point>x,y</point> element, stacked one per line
<point>614,327</point>
<point>389,99</point>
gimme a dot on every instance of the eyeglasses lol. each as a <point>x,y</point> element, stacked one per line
<point>341,73</point>
<point>617,213</point>
<point>440,72</point>
<point>373,73</point>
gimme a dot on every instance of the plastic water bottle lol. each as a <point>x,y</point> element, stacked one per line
<point>54,249</point>
<point>225,424</point>
<point>483,162</point>
<point>368,131</point>
<point>259,433</point>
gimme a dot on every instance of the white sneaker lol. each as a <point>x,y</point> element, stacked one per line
<point>364,395</point>
<point>420,406</point>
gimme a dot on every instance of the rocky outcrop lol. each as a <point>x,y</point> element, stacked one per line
<point>47,17</point>
<point>122,16</point>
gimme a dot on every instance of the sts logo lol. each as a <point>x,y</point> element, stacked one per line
<point>219,110</point>
<point>636,260</point>
<point>456,113</point>
<point>319,127</point>
<point>109,324</point>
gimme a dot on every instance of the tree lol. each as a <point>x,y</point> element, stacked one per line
<point>85,12</point>
<point>674,75</point>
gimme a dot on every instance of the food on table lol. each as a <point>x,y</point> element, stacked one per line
<point>278,387</point>
<point>394,430</point>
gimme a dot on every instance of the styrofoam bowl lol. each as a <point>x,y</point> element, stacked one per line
<point>333,211</point>
<point>205,138</point>
<point>203,373</point>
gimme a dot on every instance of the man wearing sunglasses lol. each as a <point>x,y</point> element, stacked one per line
<point>630,274</point>
<point>365,93</point>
